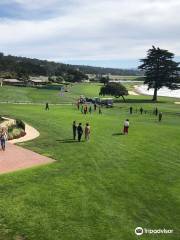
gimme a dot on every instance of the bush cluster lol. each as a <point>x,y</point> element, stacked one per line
<point>16,130</point>
<point>14,133</point>
<point>20,124</point>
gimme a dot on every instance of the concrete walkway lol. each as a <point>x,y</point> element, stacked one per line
<point>31,133</point>
<point>17,158</point>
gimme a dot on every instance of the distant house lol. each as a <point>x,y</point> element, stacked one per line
<point>92,77</point>
<point>33,81</point>
<point>38,81</point>
<point>14,82</point>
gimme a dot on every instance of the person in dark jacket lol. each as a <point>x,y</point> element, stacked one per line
<point>130,110</point>
<point>82,109</point>
<point>90,109</point>
<point>100,111</point>
<point>95,106</point>
<point>156,111</point>
<point>74,126</point>
<point>47,106</point>
<point>141,110</point>
<point>79,131</point>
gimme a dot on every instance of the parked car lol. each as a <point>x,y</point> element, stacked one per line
<point>89,100</point>
<point>96,100</point>
<point>108,102</point>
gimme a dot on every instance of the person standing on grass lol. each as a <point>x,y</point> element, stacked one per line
<point>74,126</point>
<point>3,138</point>
<point>160,116</point>
<point>90,109</point>
<point>100,111</point>
<point>78,104</point>
<point>95,106</point>
<point>141,110</point>
<point>156,111</point>
<point>126,126</point>
<point>82,109</point>
<point>47,106</point>
<point>79,131</point>
<point>130,110</point>
<point>85,109</point>
<point>87,132</point>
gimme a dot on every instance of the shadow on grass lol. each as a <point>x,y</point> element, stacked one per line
<point>117,134</point>
<point>68,140</point>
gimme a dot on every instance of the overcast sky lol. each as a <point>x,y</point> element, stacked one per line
<point>114,33</point>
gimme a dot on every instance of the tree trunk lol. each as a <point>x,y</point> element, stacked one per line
<point>155,95</point>
<point>123,98</point>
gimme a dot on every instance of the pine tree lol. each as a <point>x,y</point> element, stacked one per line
<point>160,70</point>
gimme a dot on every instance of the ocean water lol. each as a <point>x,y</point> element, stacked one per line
<point>165,92</point>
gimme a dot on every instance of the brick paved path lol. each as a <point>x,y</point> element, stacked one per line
<point>16,158</point>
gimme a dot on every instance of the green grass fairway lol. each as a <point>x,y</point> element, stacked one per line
<point>128,78</point>
<point>40,95</point>
<point>13,94</point>
<point>97,190</point>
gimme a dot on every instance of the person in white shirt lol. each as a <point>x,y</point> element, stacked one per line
<point>126,126</point>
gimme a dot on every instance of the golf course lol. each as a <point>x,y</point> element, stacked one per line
<point>101,189</point>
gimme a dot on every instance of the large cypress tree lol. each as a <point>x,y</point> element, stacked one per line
<point>160,70</point>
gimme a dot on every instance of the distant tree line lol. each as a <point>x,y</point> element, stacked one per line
<point>105,71</point>
<point>22,68</point>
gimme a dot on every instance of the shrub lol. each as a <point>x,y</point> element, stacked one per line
<point>15,133</point>
<point>20,124</point>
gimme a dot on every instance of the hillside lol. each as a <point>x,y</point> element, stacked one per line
<point>22,65</point>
